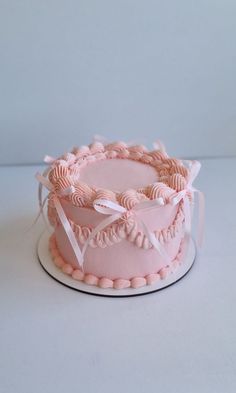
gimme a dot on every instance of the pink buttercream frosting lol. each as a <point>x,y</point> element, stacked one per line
<point>58,172</point>
<point>126,229</point>
<point>128,199</point>
<point>121,254</point>
<point>70,166</point>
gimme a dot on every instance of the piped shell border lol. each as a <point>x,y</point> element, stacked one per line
<point>65,172</point>
<point>103,282</point>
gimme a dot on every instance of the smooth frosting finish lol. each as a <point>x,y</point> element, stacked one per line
<point>156,219</point>
<point>120,260</point>
<point>118,175</point>
<point>118,283</point>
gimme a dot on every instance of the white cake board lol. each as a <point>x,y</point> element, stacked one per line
<point>49,266</point>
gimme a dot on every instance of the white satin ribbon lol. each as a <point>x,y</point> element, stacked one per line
<point>49,159</point>
<point>183,195</point>
<point>43,181</point>
<point>158,145</point>
<point>115,212</point>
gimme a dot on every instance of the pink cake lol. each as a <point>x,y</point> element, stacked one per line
<point>120,213</point>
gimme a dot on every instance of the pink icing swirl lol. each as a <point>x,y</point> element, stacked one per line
<point>171,172</point>
<point>83,193</point>
<point>128,199</point>
<point>62,184</point>
<point>138,149</point>
<point>58,172</point>
<point>123,153</point>
<point>81,151</point>
<point>96,147</point>
<point>177,182</point>
<point>179,169</point>
<point>100,156</point>
<point>111,154</point>
<point>146,158</point>
<point>158,155</point>
<point>163,172</point>
<point>116,146</point>
<point>160,190</point>
<point>171,162</point>
<point>135,155</point>
<point>77,200</point>
<point>164,179</point>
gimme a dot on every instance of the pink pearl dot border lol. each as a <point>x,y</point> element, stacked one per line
<point>119,283</point>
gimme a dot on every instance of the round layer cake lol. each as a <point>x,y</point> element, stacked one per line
<point>126,208</point>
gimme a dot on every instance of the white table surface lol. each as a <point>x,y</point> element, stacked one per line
<point>54,339</point>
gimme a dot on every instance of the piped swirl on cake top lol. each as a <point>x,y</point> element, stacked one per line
<point>167,175</point>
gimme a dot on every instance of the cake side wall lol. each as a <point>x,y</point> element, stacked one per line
<point>120,260</point>
<point>156,219</point>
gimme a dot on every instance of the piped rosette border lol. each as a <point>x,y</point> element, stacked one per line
<point>65,173</point>
<point>127,229</point>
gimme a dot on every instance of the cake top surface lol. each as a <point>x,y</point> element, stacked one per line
<point>117,172</point>
<point>118,175</point>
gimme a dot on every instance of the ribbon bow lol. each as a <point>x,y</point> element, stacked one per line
<point>116,211</point>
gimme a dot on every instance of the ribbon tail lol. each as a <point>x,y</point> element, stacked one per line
<point>40,197</point>
<point>158,246</point>
<point>201,218</point>
<point>37,217</point>
<point>48,159</point>
<point>155,242</point>
<point>41,206</point>
<point>158,145</point>
<point>107,221</point>
<point>70,234</point>
<point>187,215</point>
<point>187,226</point>
<point>41,212</point>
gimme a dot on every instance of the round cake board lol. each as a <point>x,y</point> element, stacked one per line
<point>49,266</point>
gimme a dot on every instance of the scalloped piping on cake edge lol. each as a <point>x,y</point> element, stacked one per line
<point>65,171</point>
<point>124,230</point>
<point>103,282</point>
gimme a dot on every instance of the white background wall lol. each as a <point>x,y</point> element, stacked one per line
<point>126,69</point>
